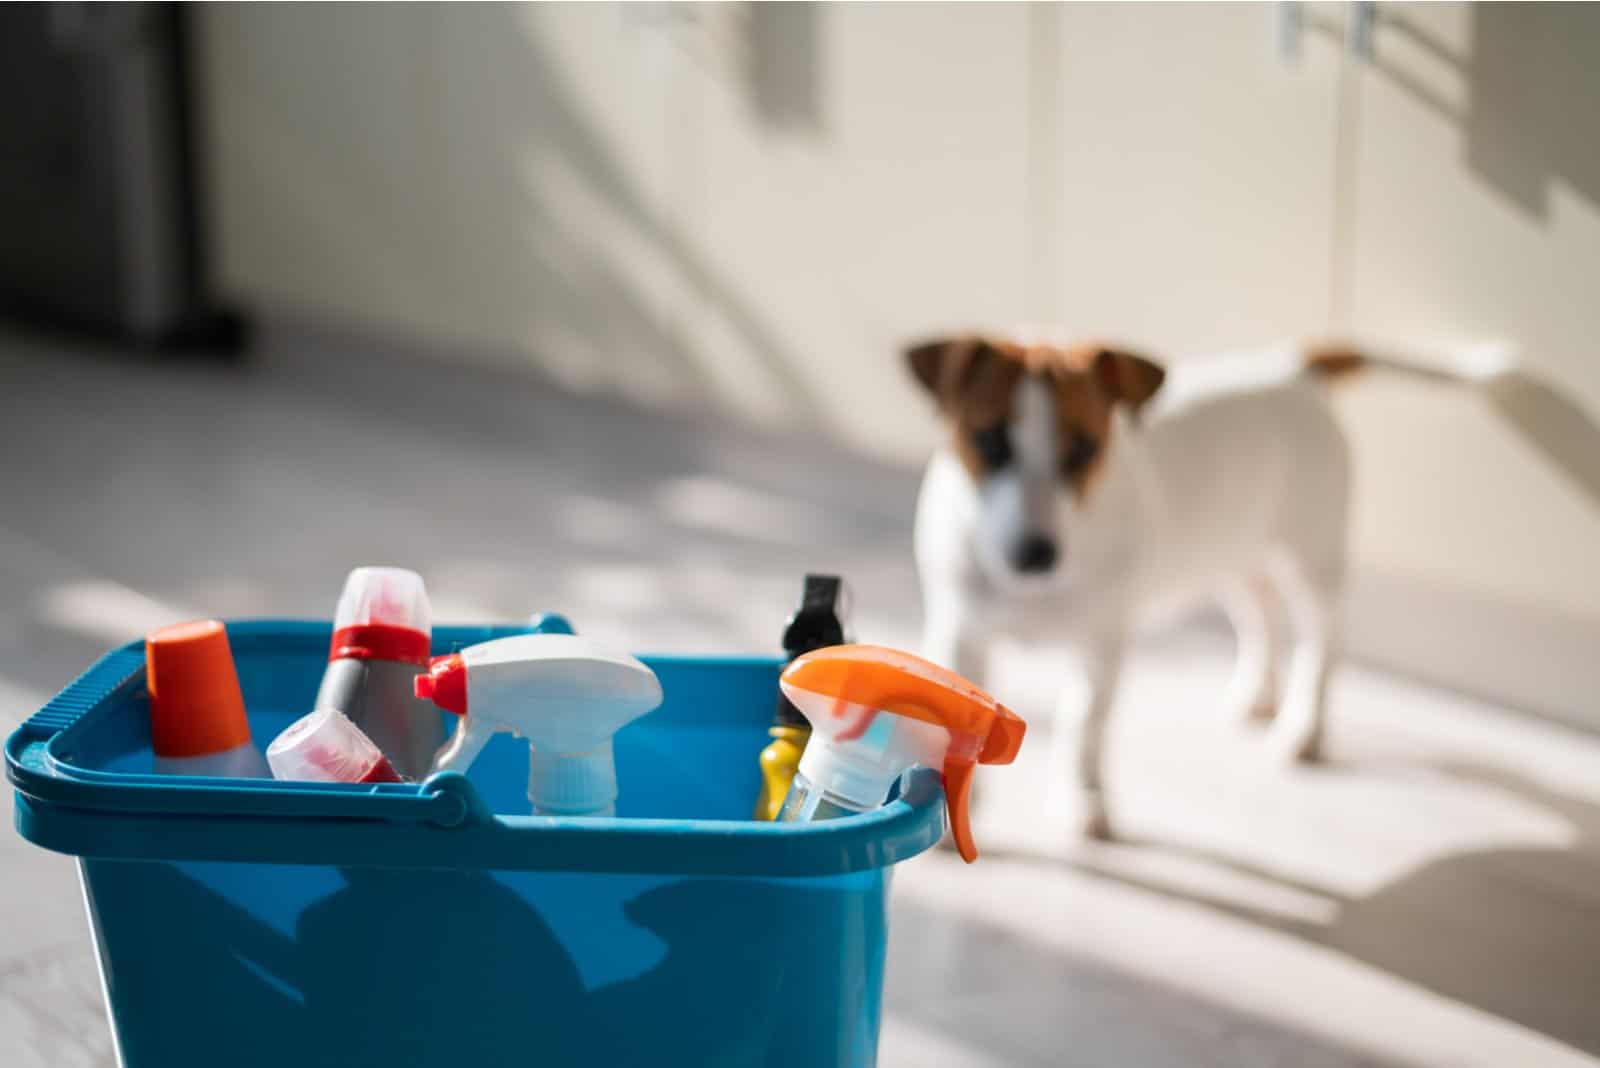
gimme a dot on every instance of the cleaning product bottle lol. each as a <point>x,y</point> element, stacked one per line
<point>197,720</point>
<point>874,713</point>
<point>819,622</point>
<point>381,635</point>
<point>563,694</point>
<point>325,746</point>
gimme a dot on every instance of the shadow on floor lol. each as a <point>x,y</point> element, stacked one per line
<point>155,488</point>
<point>1458,925</point>
<point>1062,1010</point>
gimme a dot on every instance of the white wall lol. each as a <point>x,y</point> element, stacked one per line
<point>592,189</point>
<point>1476,215</point>
<point>1479,217</point>
<point>1194,177</point>
<point>747,208</point>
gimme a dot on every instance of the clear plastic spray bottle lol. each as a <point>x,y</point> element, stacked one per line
<point>876,712</point>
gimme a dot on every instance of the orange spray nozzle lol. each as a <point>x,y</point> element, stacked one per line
<point>842,688</point>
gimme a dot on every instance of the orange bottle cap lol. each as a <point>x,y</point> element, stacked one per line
<point>880,679</point>
<point>195,704</point>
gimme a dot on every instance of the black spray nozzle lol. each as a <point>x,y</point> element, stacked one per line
<point>820,619</point>
<point>819,622</point>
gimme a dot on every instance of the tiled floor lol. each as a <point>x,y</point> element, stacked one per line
<point>1430,896</point>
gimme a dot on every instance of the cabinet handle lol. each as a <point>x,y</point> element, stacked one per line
<point>1359,30</point>
<point>1361,38</point>
<point>1291,21</point>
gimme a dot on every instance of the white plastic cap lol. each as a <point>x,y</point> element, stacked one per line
<point>861,769</point>
<point>387,596</point>
<point>573,784</point>
<point>326,746</point>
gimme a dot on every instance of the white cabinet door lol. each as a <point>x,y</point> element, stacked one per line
<point>1159,173</point>
<point>1476,215</point>
<point>1190,202</point>
<point>898,209</point>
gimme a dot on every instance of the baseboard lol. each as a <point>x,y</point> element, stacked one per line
<point>1525,656</point>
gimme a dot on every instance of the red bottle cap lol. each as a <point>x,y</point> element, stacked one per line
<point>196,707</point>
<point>445,684</point>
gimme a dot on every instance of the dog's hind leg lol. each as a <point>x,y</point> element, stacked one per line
<point>1252,607</point>
<point>1311,596</point>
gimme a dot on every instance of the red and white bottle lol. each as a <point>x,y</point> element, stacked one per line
<point>326,747</point>
<point>382,631</point>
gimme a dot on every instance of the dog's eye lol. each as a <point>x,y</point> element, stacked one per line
<point>1081,451</point>
<point>993,444</point>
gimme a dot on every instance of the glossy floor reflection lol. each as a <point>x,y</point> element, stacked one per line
<point>1429,896</point>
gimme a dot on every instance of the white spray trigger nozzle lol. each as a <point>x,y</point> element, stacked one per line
<point>563,693</point>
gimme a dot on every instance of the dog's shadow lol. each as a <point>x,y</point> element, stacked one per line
<point>1512,931</point>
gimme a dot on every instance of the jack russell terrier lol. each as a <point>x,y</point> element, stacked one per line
<point>1067,503</point>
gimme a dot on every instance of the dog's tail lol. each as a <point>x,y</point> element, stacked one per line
<point>1338,361</point>
<point>1545,415</point>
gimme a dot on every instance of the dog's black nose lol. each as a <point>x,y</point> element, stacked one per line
<point>1034,553</point>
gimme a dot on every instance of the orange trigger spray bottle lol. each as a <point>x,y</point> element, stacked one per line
<point>876,712</point>
<point>819,622</point>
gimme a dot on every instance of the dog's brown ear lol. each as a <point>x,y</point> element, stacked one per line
<point>1128,377</point>
<point>927,361</point>
<point>945,366</point>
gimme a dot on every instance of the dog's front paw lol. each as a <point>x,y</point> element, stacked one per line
<point>1085,815</point>
<point>1298,746</point>
<point>1251,700</point>
<point>1263,709</point>
<point>1095,824</point>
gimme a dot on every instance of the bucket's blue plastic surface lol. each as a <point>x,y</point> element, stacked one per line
<point>246,922</point>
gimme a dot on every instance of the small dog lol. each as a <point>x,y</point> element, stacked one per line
<point>1066,504</point>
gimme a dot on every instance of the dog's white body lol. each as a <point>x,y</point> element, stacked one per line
<point>1235,493</point>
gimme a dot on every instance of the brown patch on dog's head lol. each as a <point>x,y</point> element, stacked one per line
<point>1125,377</point>
<point>974,379</point>
<point>1083,421</point>
<point>1091,380</point>
<point>964,370</point>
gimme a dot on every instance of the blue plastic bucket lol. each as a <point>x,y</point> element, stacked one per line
<point>262,923</point>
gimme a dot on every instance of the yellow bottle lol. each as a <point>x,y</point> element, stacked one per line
<point>818,623</point>
<point>779,761</point>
